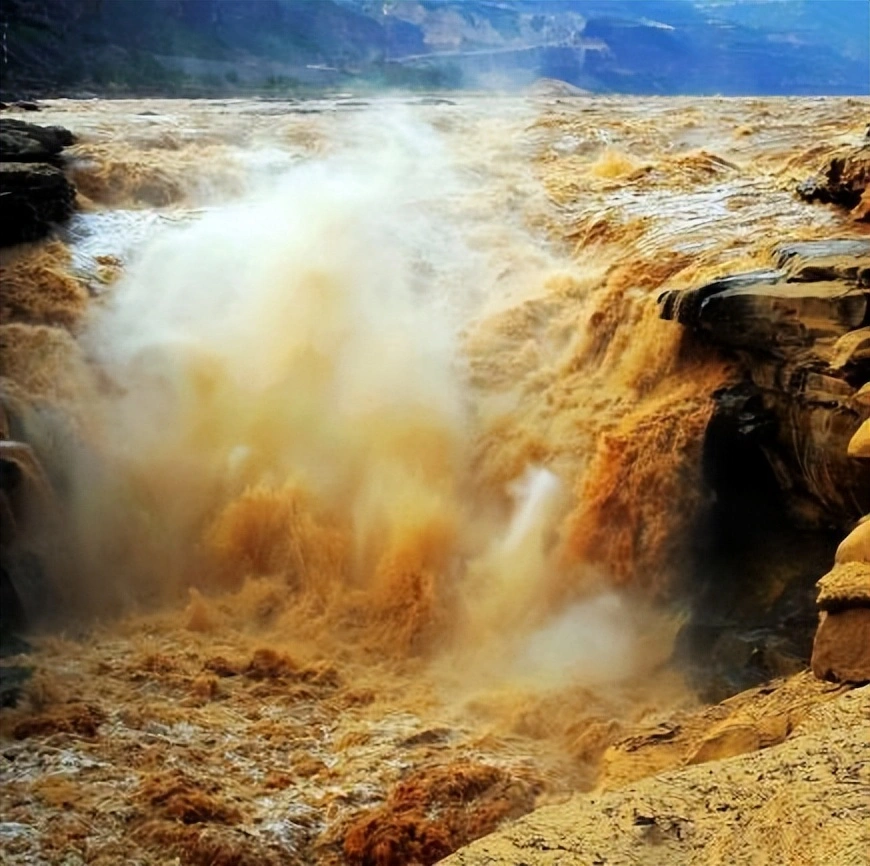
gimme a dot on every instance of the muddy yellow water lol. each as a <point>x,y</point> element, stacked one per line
<point>375,468</point>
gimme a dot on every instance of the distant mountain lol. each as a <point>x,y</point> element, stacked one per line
<point>212,47</point>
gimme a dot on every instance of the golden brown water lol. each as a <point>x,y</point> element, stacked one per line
<point>373,412</point>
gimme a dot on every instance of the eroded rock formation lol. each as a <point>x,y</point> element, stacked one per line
<point>800,331</point>
<point>784,488</point>
<point>841,650</point>
<point>26,142</point>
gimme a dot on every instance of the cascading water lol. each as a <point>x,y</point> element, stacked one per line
<point>385,400</point>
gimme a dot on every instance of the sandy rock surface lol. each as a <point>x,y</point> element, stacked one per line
<point>804,802</point>
<point>845,585</point>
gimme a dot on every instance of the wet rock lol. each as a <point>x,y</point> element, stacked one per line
<point>753,572</point>
<point>26,500</point>
<point>12,645</point>
<point>12,613</point>
<point>842,182</point>
<point>768,312</point>
<point>777,462</point>
<point>34,196</point>
<point>826,259</point>
<point>686,306</point>
<point>27,142</point>
<point>800,333</point>
<point>777,319</point>
<point>23,484</point>
<point>34,191</point>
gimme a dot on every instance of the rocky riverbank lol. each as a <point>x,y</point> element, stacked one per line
<point>802,801</point>
<point>777,447</point>
<point>34,189</point>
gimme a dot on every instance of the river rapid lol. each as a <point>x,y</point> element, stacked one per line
<point>372,473</point>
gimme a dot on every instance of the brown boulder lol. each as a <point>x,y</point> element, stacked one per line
<point>841,651</point>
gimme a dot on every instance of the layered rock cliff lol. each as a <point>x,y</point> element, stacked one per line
<point>800,332</point>
<point>785,489</point>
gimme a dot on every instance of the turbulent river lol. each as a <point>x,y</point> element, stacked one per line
<point>370,469</point>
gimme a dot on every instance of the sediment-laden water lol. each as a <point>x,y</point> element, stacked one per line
<point>373,470</point>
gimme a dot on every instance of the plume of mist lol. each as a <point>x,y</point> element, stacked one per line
<point>304,334</point>
<point>509,577</point>
<point>592,642</point>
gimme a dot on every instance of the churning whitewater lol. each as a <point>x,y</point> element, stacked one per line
<point>368,472</point>
<point>285,397</point>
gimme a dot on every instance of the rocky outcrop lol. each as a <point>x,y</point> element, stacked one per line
<point>843,182</point>
<point>841,650</point>
<point>33,188</point>
<point>783,489</point>
<point>34,195</point>
<point>801,331</point>
<point>25,499</point>
<point>758,718</point>
<point>27,142</point>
